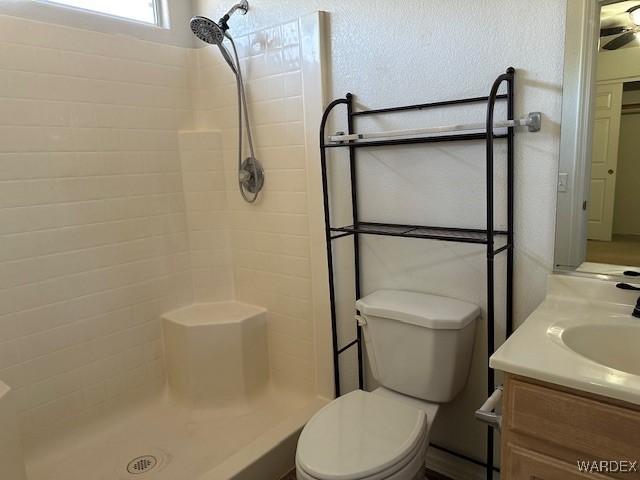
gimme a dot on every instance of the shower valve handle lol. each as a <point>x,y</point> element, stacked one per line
<point>243,176</point>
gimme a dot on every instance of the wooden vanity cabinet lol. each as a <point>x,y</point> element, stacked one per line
<point>547,430</point>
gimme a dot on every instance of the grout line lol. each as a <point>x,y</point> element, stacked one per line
<point>69,126</point>
<point>247,230</point>
<point>289,277</point>
<point>185,109</point>
<point>83,386</point>
<point>185,88</point>
<point>94,224</point>
<point>84,297</point>
<point>186,50</point>
<point>275,273</point>
<point>103,269</point>
<point>260,252</point>
<point>86,342</point>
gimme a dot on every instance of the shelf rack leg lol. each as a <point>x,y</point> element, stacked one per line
<point>510,200</point>
<point>332,297</point>
<point>327,229</point>
<point>506,77</point>
<point>356,237</point>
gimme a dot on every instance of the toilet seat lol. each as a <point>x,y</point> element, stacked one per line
<point>361,436</point>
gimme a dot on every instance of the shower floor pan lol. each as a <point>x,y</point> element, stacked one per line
<point>160,440</point>
<point>218,417</point>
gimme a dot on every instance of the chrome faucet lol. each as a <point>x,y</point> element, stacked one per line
<point>626,286</point>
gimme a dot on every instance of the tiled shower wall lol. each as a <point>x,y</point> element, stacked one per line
<point>206,207</point>
<point>269,240</point>
<point>92,219</point>
<point>119,201</point>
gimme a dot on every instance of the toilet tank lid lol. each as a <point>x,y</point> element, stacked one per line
<point>422,309</point>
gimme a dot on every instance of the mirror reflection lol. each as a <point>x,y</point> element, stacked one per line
<point>609,238</point>
<point>613,233</point>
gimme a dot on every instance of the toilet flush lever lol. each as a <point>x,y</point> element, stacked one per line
<point>361,320</point>
<point>486,413</point>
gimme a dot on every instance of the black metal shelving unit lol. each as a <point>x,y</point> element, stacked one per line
<point>487,236</point>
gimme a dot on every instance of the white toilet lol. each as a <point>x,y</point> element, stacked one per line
<point>419,347</point>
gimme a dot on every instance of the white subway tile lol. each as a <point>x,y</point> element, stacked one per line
<point>109,216</point>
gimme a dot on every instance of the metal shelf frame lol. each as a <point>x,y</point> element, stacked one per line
<point>485,236</point>
<point>462,235</point>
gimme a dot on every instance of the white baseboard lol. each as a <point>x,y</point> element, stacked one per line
<point>454,467</point>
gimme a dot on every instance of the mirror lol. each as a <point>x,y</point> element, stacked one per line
<point>598,218</point>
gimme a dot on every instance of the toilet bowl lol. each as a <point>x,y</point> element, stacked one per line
<point>364,435</point>
<point>419,347</point>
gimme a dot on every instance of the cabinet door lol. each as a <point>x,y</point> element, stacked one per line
<point>523,464</point>
<point>546,432</point>
<point>568,426</point>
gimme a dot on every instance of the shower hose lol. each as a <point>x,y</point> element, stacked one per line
<point>253,175</point>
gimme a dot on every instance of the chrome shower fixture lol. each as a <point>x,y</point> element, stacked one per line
<point>242,6</point>
<point>211,32</point>
<point>207,30</point>
<point>250,172</point>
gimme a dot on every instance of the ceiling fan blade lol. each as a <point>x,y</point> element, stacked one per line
<point>633,9</point>
<point>612,30</point>
<point>620,41</point>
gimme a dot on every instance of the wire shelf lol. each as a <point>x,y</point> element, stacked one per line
<point>462,235</point>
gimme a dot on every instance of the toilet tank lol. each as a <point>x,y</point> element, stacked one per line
<point>419,344</point>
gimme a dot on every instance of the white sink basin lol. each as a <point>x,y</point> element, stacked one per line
<point>582,337</point>
<point>614,346</point>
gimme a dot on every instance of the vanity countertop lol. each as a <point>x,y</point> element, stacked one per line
<point>539,348</point>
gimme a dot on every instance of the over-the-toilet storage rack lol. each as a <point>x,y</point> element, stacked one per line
<point>354,141</point>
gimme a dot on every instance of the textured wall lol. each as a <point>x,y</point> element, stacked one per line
<point>92,220</point>
<point>410,51</point>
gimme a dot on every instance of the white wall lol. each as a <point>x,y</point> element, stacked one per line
<point>390,53</point>
<point>92,219</point>
<point>626,220</point>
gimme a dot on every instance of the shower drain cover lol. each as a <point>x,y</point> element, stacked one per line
<point>142,464</point>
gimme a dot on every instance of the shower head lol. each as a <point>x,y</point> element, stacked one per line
<point>214,33</point>
<point>207,30</point>
<point>211,32</point>
<point>250,172</point>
